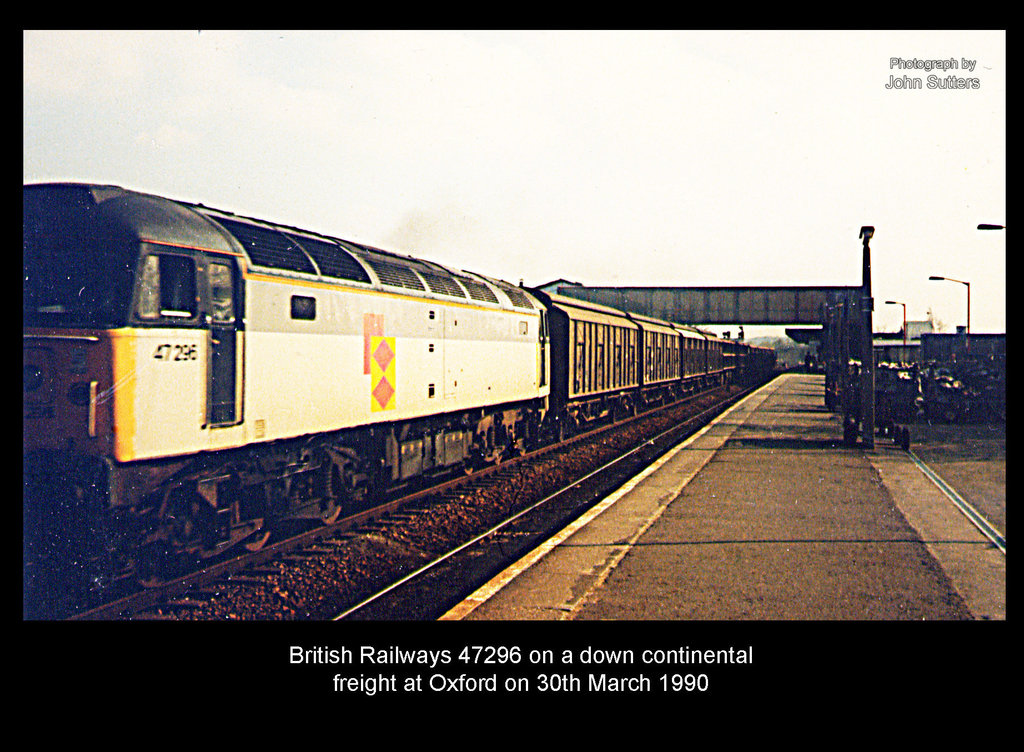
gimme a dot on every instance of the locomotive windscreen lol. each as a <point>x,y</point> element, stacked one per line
<point>77,271</point>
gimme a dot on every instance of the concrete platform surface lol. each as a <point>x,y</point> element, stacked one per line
<point>763,515</point>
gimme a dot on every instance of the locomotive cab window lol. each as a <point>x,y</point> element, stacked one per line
<point>222,309</point>
<point>167,288</point>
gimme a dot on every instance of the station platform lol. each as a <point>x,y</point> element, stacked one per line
<point>762,515</point>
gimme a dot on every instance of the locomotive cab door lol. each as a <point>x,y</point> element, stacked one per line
<point>223,354</point>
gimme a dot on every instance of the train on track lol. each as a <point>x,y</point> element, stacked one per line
<point>192,376</point>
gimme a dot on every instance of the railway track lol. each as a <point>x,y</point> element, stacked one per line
<point>986,528</point>
<point>415,556</point>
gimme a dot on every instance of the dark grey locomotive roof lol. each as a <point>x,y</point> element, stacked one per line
<point>275,247</point>
<point>79,207</point>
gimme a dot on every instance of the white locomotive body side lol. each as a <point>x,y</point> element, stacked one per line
<point>372,357</point>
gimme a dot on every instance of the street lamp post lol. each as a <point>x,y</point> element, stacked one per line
<point>868,353</point>
<point>968,284</point>
<point>896,302</point>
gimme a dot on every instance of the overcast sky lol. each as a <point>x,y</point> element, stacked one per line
<point>606,158</point>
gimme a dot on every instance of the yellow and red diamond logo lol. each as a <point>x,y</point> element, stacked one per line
<point>383,351</point>
<point>382,373</point>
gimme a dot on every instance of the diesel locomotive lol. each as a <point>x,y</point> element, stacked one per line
<point>192,376</point>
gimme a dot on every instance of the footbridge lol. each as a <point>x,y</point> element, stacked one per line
<point>843,313</point>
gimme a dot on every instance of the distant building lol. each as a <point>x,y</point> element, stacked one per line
<point>916,328</point>
<point>552,287</point>
<point>890,348</point>
<point>951,348</point>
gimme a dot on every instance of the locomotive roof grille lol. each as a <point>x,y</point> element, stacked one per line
<point>333,260</point>
<point>518,297</point>
<point>395,275</point>
<point>442,285</point>
<point>267,247</point>
<point>478,290</point>
<point>399,271</point>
